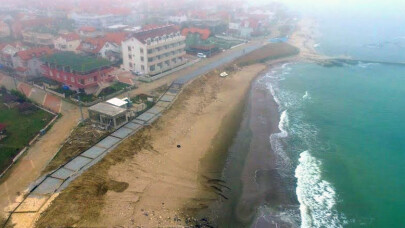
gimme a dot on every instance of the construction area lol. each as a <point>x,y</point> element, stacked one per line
<point>55,181</point>
<point>77,158</point>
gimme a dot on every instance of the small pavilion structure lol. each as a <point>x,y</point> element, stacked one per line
<point>108,115</point>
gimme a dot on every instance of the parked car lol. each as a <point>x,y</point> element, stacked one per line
<point>137,73</point>
<point>201,55</point>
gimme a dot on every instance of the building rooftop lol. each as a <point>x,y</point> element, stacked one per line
<point>78,63</point>
<point>204,33</point>
<point>34,52</point>
<point>153,32</point>
<point>117,102</point>
<point>107,109</point>
<point>70,36</point>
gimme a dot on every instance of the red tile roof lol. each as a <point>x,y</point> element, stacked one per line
<point>34,52</point>
<point>87,29</point>
<point>2,126</point>
<point>21,69</point>
<point>143,35</point>
<point>71,36</point>
<point>97,43</point>
<point>204,33</point>
<point>115,37</point>
<point>151,26</point>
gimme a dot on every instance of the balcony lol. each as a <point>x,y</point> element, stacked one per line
<point>165,50</point>
<point>162,59</point>
<point>160,43</point>
<point>165,67</point>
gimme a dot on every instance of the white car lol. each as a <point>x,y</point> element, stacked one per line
<point>201,55</point>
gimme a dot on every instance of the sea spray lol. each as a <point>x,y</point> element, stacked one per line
<point>316,196</point>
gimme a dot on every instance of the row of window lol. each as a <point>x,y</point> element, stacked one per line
<point>72,79</point>
<point>167,63</point>
<point>160,65</point>
<point>164,37</point>
<point>178,51</point>
<point>160,48</point>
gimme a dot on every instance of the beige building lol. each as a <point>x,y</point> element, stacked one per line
<point>38,38</point>
<point>67,42</point>
<point>153,51</point>
<point>4,29</point>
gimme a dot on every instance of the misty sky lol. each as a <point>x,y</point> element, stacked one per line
<point>375,8</point>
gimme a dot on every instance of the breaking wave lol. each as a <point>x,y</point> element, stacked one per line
<point>316,196</point>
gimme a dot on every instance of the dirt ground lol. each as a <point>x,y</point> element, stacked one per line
<point>157,175</point>
<point>30,166</point>
<point>82,137</point>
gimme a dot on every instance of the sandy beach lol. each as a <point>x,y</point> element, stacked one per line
<point>175,166</point>
<point>304,38</point>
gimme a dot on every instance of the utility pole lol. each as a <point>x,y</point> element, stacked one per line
<point>80,107</point>
<point>14,79</point>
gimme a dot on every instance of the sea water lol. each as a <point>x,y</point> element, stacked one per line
<point>342,128</point>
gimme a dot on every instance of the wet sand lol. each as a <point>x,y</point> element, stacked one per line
<point>251,170</point>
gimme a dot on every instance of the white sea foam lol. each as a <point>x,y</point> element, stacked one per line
<point>284,65</point>
<point>306,96</point>
<point>283,161</point>
<point>317,45</point>
<point>316,196</point>
<point>283,124</point>
<point>366,65</point>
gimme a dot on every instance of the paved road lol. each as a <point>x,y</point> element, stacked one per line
<point>227,59</point>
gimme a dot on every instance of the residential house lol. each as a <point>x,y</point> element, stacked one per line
<point>28,63</point>
<point>202,33</point>
<point>153,51</point>
<point>4,29</point>
<point>80,73</point>
<point>107,46</point>
<point>67,42</point>
<point>38,38</point>
<point>7,51</point>
<point>88,31</point>
<point>91,46</point>
<point>177,19</point>
<point>197,41</point>
<point>27,22</point>
<point>112,49</point>
<point>101,20</point>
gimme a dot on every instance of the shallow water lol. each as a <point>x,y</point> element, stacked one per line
<point>339,153</point>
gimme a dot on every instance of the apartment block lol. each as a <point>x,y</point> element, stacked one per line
<point>154,50</point>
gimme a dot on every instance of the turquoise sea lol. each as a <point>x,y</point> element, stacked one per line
<point>325,146</point>
<point>344,126</point>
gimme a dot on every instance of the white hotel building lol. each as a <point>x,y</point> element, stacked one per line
<point>154,51</point>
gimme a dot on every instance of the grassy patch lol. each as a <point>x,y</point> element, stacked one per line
<point>115,87</point>
<point>21,128</point>
<point>266,53</point>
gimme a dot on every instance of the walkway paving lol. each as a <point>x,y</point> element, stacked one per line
<point>40,191</point>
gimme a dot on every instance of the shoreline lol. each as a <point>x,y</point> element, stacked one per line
<point>251,167</point>
<point>162,178</point>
